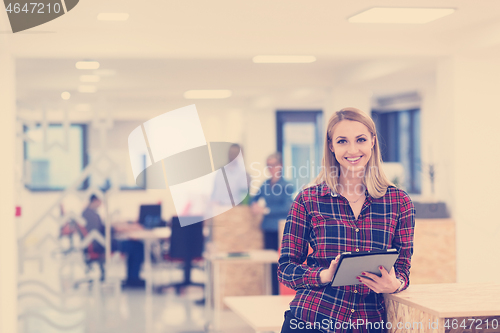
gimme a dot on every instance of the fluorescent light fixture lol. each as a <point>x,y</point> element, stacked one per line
<point>207,94</point>
<point>112,16</point>
<point>400,15</point>
<point>283,59</point>
<point>87,89</point>
<point>87,65</point>
<point>90,78</point>
<point>65,95</point>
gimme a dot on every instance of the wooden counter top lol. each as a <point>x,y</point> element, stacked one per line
<point>449,300</point>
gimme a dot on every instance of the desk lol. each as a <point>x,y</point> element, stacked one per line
<point>147,236</point>
<point>213,288</point>
<point>136,232</point>
<point>432,307</point>
<point>262,313</point>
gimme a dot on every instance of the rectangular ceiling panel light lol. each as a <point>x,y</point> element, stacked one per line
<point>400,15</point>
<point>112,16</point>
<point>87,65</point>
<point>207,94</point>
<point>283,59</point>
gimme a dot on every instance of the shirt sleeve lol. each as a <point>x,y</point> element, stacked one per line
<point>403,240</point>
<point>294,248</point>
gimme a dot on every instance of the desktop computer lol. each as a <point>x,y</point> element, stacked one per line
<point>150,216</point>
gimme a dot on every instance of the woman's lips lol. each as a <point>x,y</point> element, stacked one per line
<point>353,160</point>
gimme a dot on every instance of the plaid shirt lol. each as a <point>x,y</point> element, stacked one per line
<point>325,221</point>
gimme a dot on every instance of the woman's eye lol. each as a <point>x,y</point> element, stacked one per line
<point>341,141</point>
<point>361,140</point>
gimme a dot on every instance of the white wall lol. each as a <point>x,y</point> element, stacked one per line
<point>260,142</point>
<point>467,93</point>
<point>8,242</point>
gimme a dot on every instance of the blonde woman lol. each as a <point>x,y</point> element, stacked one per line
<point>353,207</point>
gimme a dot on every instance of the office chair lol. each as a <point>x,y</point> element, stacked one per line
<point>186,245</point>
<point>93,253</point>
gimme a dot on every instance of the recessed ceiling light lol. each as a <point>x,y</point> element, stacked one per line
<point>112,16</point>
<point>283,59</point>
<point>87,65</point>
<point>65,95</point>
<point>90,78</point>
<point>87,89</point>
<point>207,94</point>
<point>400,15</point>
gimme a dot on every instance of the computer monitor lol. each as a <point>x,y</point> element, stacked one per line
<point>150,216</point>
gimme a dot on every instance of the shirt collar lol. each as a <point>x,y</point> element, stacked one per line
<point>324,189</point>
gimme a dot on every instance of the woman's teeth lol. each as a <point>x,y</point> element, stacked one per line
<point>353,159</point>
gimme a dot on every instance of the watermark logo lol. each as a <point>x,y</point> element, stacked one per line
<point>204,178</point>
<point>25,15</point>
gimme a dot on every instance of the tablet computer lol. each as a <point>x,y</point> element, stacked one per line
<point>353,264</point>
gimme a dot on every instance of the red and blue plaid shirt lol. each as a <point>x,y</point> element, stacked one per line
<point>325,221</point>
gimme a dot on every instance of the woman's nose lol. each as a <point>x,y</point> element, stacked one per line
<point>352,148</point>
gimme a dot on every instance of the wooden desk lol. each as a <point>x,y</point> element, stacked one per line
<point>214,288</point>
<point>262,313</point>
<point>445,308</point>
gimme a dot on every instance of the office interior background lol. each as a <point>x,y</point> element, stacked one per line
<point>432,89</point>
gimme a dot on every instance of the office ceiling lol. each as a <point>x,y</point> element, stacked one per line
<point>168,47</point>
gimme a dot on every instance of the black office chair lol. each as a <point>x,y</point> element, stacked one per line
<point>186,245</point>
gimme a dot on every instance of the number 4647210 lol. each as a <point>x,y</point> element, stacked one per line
<point>34,8</point>
<point>471,323</point>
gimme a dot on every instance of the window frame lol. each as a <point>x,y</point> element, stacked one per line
<point>415,167</point>
<point>301,116</point>
<point>85,157</point>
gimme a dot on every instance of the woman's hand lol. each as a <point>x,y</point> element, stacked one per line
<point>387,283</point>
<point>326,275</point>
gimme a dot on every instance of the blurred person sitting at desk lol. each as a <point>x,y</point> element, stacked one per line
<point>273,200</point>
<point>134,249</point>
<point>94,223</point>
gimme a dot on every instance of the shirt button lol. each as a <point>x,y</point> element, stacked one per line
<point>357,250</point>
<point>357,230</point>
<point>352,310</point>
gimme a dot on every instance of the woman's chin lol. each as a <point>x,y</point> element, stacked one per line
<point>349,169</point>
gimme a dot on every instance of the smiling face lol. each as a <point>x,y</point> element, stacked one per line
<point>352,143</point>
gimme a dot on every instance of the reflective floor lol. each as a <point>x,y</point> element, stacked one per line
<point>51,302</point>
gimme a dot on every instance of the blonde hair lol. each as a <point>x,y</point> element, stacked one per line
<point>374,179</point>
